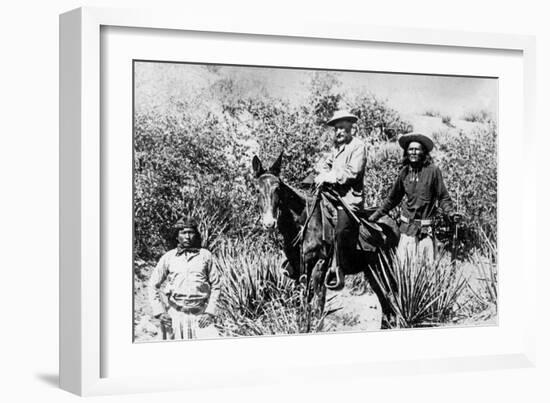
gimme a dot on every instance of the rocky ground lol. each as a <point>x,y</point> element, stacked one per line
<point>356,307</point>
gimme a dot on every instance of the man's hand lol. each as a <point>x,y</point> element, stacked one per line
<point>457,217</point>
<point>325,177</point>
<point>165,319</point>
<point>375,216</point>
<point>206,319</point>
<point>319,179</point>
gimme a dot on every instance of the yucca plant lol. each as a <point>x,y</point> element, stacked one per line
<point>294,315</point>
<point>419,293</point>
<point>256,299</point>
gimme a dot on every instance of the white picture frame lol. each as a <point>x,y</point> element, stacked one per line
<point>82,177</point>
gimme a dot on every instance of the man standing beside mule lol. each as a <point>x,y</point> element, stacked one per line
<point>184,287</point>
<point>421,183</point>
<point>344,170</point>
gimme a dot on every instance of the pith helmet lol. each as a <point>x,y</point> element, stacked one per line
<point>342,115</point>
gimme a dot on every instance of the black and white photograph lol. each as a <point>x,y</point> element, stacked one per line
<point>271,201</point>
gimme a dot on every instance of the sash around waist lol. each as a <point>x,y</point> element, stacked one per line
<point>188,301</point>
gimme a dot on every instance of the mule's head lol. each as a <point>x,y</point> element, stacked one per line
<point>269,190</point>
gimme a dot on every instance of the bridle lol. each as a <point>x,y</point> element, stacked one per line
<point>277,205</point>
<point>298,239</point>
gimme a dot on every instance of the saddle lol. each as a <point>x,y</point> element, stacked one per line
<point>384,234</point>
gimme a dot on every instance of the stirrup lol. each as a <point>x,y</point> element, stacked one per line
<point>339,280</point>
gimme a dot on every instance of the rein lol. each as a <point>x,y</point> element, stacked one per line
<point>301,233</point>
<point>309,214</point>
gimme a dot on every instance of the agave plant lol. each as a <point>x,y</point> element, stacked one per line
<point>420,293</point>
<point>257,299</point>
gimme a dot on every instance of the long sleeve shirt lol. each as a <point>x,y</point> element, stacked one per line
<point>187,280</point>
<point>422,189</point>
<point>347,164</point>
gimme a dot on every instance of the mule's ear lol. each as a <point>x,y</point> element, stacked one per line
<point>257,166</point>
<point>276,167</point>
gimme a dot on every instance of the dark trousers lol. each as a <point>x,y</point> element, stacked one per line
<point>346,233</point>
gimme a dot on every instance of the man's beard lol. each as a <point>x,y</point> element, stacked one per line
<point>339,143</point>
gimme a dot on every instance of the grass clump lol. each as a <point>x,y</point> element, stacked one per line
<point>446,120</point>
<point>479,116</point>
<point>483,286</point>
<point>432,113</point>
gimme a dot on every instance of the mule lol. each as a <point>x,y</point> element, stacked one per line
<point>298,219</point>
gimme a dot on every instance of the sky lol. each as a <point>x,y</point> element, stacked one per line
<point>407,93</point>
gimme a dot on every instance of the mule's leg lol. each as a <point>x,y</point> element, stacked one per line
<point>318,289</point>
<point>374,265</point>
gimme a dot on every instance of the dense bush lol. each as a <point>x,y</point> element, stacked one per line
<point>383,166</point>
<point>377,121</point>
<point>469,166</point>
<point>180,169</point>
<point>186,162</point>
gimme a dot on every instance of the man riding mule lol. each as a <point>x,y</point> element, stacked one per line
<point>299,218</point>
<point>343,170</point>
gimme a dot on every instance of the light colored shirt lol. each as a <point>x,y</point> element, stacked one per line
<point>188,281</point>
<point>347,166</point>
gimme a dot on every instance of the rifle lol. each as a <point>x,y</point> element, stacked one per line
<point>455,228</point>
<point>167,330</point>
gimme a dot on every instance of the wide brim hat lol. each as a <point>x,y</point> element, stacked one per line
<point>342,115</point>
<point>406,139</point>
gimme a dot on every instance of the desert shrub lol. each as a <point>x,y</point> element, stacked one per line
<point>377,121</point>
<point>446,120</point>
<point>383,166</point>
<point>180,168</point>
<point>469,166</point>
<point>432,113</point>
<point>293,131</point>
<point>196,156</point>
<point>323,100</point>
<point>480,116</point>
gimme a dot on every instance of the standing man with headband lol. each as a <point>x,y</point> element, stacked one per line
<point>184,287</point>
